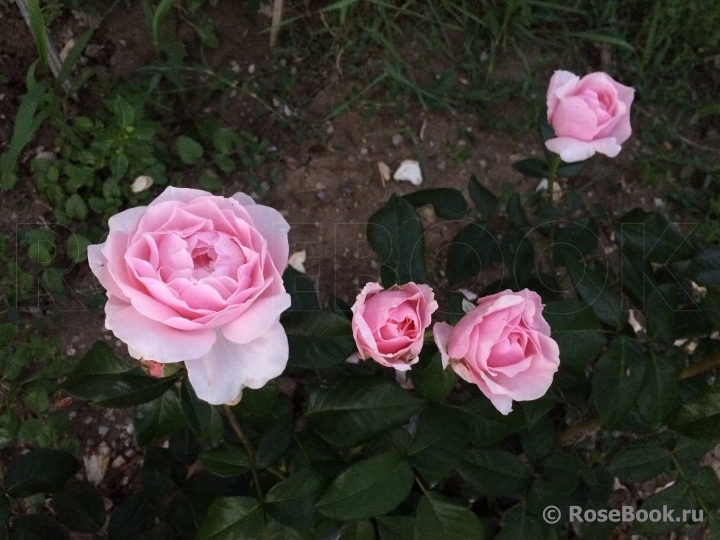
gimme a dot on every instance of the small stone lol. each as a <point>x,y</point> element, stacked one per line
<point>103,430</point>
<point>321,195</point>
<point>397,139</point>
<point>118,462</point>
<point>251,69</point>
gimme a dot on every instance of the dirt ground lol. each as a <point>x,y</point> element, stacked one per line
<point>331,183</point>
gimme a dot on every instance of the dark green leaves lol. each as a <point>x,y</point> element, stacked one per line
<point>595,290</point>
<point>318,339</point>
<point>617,380</point>
<point>188,149</point>
<point>440,441</point>
<point>291,502</point>
<point>660,392</point>
<point>699,418</point>
<point>533,167</point>
<point>651,237</point>
<point>396,235</point>
<point>576,330</point>
<point>39,471</point>
<point>447,202</point>
<point>226,461</point>
<point>470,250</point>
<point>354,411</point>
<point>103,378</point>
<point>495,472</point>
<point>80,507</point>
<point>439,518</point>
<point>38,527</point>
<point>204,419</point>
<point>374,486</point>
<point>639,463</point>
<point>486,203</point>
<point>230,518</point>
<point>158,418</point>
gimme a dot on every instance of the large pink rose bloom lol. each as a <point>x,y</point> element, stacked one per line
<point>503,346</point>
<point>196,278</point>
<point>588,115</point>
<point>389,325</point>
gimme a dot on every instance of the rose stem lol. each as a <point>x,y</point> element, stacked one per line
<point>580,429</point>
<point>252,454</point>
<point>552,176</point>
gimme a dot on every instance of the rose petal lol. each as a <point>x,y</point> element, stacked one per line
<point>272,226</point>
<point>441,335</point>
<point>153,340</point>
<point>220,375</point>
<point>257,319</point>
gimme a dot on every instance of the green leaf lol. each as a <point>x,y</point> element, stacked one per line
<point>639,463</point>
<point>396,235</point>
<point>471,249</point>
<point>226,461</point>
<point>533,167</point>
<point>595,290</point>
<point>80,508</point>
<point>396,527</point>
<point>538,441</point>
<point>434,382</point>
<point>275,440</point>
<point>650,236</point>
<point>127,389</point>
<point>75,207</point>
<point>515,212</point>
<point>160,13</point>
<point>189,150</point>
<point>567,170</point>
<point>495,472</point>
<point>705,267</point>
<point>26,124</point>
<point>301,290</point>
<point>37,527</point>
<point>707,487</point>
<point>486,203</point>
<point>230,518</point>
<point>132,518</point>
<point>373,486</point>
<point>576,239</point>
<point>486,425</point>
<point>677,497</point>
<point>357,530</point>
<point>659,395</point>
<point>447,203</point>
<point>292,501</point>
<point>158,418</point>
<point>318,339</point>
<point>77,246</point>
<point>699,417</point>
<point>518,524</point>
<point>576,330</point>
<point>617,380</point>
<point>519,257</point>
<point>353,411</point>
<point>439,518</point>
<point>96,368</point>
<point>40,471</point>
<point>440,441</point>
<point>204,419</point>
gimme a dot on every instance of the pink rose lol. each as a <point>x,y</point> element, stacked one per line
<point>588,115</point>
<point>196,278</point>
<point>389,325</point>
<point>503,346</point>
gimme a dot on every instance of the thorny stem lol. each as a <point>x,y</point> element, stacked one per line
<point>580,429</point>
<point>252,453</point>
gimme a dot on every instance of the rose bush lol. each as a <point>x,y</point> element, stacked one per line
<point>588,115</point>
<point>197,278</point>
<point>389,325</point>
<point>503,346</point>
